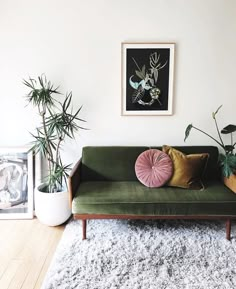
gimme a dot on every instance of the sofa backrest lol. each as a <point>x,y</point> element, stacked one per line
<point>116,163</point>
<point>212,170</point>
<point>113,163</point>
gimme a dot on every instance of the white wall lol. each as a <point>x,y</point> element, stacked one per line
<point>77,43</point>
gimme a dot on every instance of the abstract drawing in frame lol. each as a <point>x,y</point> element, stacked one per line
<point>16,183</point>
<point>147,78</point>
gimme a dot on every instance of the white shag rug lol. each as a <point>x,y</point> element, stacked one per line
<point>159,254</point>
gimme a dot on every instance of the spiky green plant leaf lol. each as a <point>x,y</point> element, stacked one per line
<point>41,93</point>
<point>58,122</point>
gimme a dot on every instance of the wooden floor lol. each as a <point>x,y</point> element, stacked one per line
<point>26,250</point>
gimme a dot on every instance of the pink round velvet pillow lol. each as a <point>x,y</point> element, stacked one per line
<point>153,168</point>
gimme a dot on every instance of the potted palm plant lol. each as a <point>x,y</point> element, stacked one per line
<point>58,122</point>
<point>227,159</point>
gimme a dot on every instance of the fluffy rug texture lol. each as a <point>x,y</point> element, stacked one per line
<point>144,255</point>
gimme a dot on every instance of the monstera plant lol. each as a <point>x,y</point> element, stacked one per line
<point>58,123</point>
<point>227,159</point>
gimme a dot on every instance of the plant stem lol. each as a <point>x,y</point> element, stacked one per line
<point>57,158</point>
<point>57,149</point>
<point>219,132</point>
<point>50,154</point>
<point>220,144</point>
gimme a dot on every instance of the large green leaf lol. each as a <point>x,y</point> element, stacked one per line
<point>228,163</point>
<point>229,129</point>
<point>187,131</point>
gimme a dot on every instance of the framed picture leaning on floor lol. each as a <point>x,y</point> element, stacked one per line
<point>147,78</point>
<point>16,183</point>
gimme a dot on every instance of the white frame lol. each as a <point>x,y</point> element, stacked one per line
<point>30,183</point>
<point>124,47</point>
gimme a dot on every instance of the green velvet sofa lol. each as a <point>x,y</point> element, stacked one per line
<point>103,185</point>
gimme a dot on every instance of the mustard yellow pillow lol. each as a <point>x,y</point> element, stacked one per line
<point>187,169</point>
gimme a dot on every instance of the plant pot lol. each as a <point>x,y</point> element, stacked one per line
<point>230,182</point>
<point>52,209</point>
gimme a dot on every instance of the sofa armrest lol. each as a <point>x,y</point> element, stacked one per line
<point>74,181</point>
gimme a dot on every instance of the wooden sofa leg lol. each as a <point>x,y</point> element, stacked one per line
<point>228,229</point>
<point>84,224</point>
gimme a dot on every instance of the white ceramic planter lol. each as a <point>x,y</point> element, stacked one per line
<point>52,209</point>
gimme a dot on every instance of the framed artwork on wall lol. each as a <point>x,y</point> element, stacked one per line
<point>147,78</point>
<point>16,183</point>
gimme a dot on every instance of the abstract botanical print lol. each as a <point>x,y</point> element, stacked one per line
<point>147,78</point>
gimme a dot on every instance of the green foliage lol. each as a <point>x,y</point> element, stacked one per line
<point>187,131</point>
<point>229,129</point>
<point>229,148</point>
<point>228,164</point>
<point>228,159</point>
<point>214,113</point>
<point>41,96</point>
<point>58,122</point>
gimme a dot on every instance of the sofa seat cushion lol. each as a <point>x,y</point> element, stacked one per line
<point>132,198</point>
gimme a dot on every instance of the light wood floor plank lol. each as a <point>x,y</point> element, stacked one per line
<point>13,240</point>
<point>44,246</point>
<point>21,275</point>
<point>49,257</point>
<point>9,273</point>
<point>26,250</point>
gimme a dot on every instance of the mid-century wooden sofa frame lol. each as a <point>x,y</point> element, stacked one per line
<point>74,180</point>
